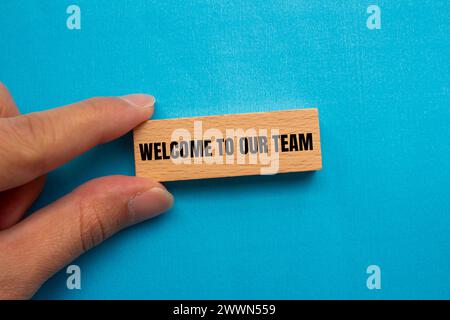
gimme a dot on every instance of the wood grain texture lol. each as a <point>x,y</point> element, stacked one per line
<point>298,147</point>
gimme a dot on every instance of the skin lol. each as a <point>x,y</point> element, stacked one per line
<point>34,248</point>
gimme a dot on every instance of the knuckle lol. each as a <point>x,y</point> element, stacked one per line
<point>92,227</point>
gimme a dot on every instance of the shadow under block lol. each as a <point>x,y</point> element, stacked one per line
<point>228,145</point>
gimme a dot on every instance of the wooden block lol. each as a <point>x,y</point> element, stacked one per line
<point>228,145</point>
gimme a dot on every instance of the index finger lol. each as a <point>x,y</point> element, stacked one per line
<point>33,144</point>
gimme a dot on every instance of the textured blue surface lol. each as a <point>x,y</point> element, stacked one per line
<point>383,97</point>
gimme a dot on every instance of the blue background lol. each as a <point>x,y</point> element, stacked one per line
<point>383,97</point>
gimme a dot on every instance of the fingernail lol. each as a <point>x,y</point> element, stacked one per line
<point>149,204</point>
<point>140,100</point>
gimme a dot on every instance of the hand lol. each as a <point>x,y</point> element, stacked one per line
<point>30,146</point>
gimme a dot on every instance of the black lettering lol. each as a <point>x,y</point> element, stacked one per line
<point>184,149</point>
<point>293,143</point>
<point>157,150</point>
<point>275,142</point>
<point>306,143</point>
<point>165,156</point>
<point>229,146</point>
<point>174,153</point>
<point>253,145</point>
<point>196,148</point>
<point>207,148</point>
<point>243,145</point>
<point>219,145</point>
<point>284,143</point>
<point>146,151</point>
<point>263,144</point>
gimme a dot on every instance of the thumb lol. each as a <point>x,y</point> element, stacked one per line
<point>48,240</point>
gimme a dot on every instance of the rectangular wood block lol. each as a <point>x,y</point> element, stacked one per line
<point>228,145</point>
